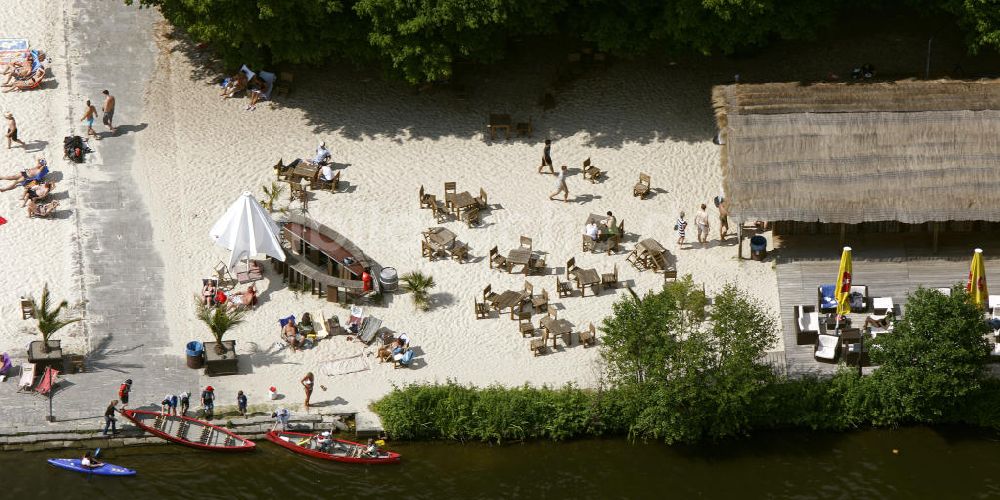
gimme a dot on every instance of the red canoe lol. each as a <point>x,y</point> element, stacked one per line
<point>341,451</point>
<point>188,431</point>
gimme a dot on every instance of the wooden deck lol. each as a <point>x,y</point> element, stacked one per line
<point>893,270</point>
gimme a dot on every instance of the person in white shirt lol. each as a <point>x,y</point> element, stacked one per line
<point>322,154</point>
<point>326,173</point>
<point>701,222</point>
<point>592,231</point>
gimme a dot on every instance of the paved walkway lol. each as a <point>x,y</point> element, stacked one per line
<point>111,47</point>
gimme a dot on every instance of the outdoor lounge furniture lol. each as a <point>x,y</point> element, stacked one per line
<point>482,311</point>
<point>857,307</point>
<point>224,277</point>
<point>590,172</point>
<point>882,306</point>
<point>588,244</point>
<point>488,294</point>
<point>538,345</point>
<point>27,377</point>
<point>460,251</point>
<point>827,301</point>
<point>642,187</point>
<point>252,272</point>
<point>806,324</point>
<point>536,265</point>
<point>610,279</point>
<point>41,211</point>
<point>993,302</point>
<point>497,260</point>
<point>426,200</point>
<point>827,347</point>
<point>570,268</point>
<point>563,288</point>
<point>524,324</point>
<point>482,201</point>
<point>588,337</point>
<point>946,291</point>
<point>471,217</point>
<point>526,243</point>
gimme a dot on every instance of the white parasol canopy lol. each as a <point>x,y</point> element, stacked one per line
<point>248,230</point>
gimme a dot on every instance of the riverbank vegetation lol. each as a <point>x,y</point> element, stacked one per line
<point>422,41</point>
<point>682,371</point>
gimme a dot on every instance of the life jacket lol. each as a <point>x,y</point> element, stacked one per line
<point>123,390</point>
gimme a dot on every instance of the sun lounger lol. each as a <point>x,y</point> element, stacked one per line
<point>994,301</point>
<point>882,305</point>
<point>369,327</point>
<point>47,381</point>
<point>27,377</point>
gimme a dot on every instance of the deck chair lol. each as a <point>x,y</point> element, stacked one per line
<point>369,328</point>
<point>590,172</point>
<point>426,200</point>
<point>496,259</point>
<point>42,211</point>
<point>538,345</point>
<point>27,309</point>
<point>27,377</point>
<point>357,315</point>
<point>610,279</point>
<point>318,184</point>
<point>827,299</point>
<point>482,311</point>
<point>827,348</point>
<point>563,288</point>
<point>226,280</point>
<point>641,188</point>
<point>426,250</point>
<point>588,337</point>
<point>633,258</point>
<point>404,359</point>
<point>524,128</point>
<point>47,381</point>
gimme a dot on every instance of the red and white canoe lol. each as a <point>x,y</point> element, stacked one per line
<point>188,431</point>
<point>341,451</point>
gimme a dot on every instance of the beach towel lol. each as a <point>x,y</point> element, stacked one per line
<point>268,78</point>
<point>829,300</point>
<point>2,221</point>
<point>343,366</point>
<point>13,50</point>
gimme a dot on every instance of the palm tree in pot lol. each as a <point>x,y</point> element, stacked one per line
<point>219,320</point>
<point>419,284</point>
<point>49,321</point>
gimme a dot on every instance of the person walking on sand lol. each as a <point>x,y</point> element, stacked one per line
<point>307,385</point>
<point>681,227</point>
<point>723,219</point>
<point>547,157</point>
<point>12,130</point>
<point>701,222</point>
<point>88,116</point>
<point>241,404</point>
<point>561,185</point>
<point>109,110</point>
<point>109,419</point>
<point>123,392</point>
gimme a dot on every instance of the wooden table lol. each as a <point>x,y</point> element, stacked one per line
<point>585,278</point>
<point>460,201</point>
<point>595,219</point>
<point>518,257</point>
<point>499,121</point>
<point>648,250</point>
<point>508,299</point>
<point>649,245</point>
<point>303,170</point>
<point>556,328</point>
<point>440,238</point>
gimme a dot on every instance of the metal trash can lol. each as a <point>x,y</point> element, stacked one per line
<point>195,354</point>
<point>389,279</point>
<point>758,247</point>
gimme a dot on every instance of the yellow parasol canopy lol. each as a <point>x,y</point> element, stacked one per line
<point>844,283</point>
<point>977,279</point>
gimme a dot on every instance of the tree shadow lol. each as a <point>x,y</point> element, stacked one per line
<point>101,357</point>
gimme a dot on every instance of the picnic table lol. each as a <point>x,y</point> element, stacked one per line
<point>649,253</point>
<point>585,278</point>
<point>303,170</point>
<point>440,238</point>
<point>557,328</point>
<point>499,121</point>
<point>518,257</point>
<point>460,201</point>
<point>508,299</point>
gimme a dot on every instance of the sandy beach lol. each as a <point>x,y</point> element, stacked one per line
<point>199,152</point>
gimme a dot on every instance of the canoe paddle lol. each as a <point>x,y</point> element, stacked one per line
<point>96,453</point>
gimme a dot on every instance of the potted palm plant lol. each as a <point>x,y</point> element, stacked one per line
<point>220,356</point>
<point>419,284</point>
<point>48,351</point>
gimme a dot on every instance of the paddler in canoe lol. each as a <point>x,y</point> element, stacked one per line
<point>90,462</point>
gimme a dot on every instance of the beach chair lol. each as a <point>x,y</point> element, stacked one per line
<point>590,172</point>
<point>526,242</point>
<point>588,337</point>
<point>481,201</point>
<point>497,260</point>
<point>858,304</point>
<point>426,250</point>
<point>318,184</point>
<point>48,380</point>
<point>588,244</point>
<point>482,311</point>
<point>27,377</point>
<point>403,360</point>
<point>426,200</point>
<point>610,279</point>
<point>827,348</point>
<point>642,187</point>
<point>563,288</point>
<point>524,128</point>
<point>826,300</point>
<point>27,309</point>
<point>634,259</point>
<point>488,294</point>
<point>226,280</point>
<point>538,345</point>
<point>296,191</point>
<point>524,324</point>
<point>806,324</point>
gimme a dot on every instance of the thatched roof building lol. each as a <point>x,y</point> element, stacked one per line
<point>908,151</point>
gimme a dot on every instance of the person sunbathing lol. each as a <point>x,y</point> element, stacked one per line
<point>36,210</point>
<point>256,86</point>
<point>38,192</point>
<point>291,335</point>
<point>18,71</point>
<point>32,81</point>
<point>208,293</point>
<point>24,176</point>
<point>238,83</point>
<point>246,299</point>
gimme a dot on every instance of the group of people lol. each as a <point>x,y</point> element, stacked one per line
<point>602,229</point>
<point>702,224</point>
<point>296,334</point>
<point>36,188</point>
<point>26,74</point>
<point>90,114</point>
<point>212,295</point>
<point>245,80</point>
<point>398,350</point>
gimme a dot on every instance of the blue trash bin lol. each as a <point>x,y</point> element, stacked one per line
<point>195,354</point>
<point>758,247</point>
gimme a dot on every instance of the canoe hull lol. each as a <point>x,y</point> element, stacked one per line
<point>73,464</point>
<point>293,438</point>
<point>185,431</point>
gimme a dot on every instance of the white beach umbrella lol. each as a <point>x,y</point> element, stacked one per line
<point>248,230</point>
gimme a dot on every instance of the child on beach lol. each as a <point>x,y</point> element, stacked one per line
<point>123,392</point>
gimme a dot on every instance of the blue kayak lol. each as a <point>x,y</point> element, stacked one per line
<point>104,470</point>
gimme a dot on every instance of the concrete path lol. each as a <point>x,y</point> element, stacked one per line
<point>111,46</point>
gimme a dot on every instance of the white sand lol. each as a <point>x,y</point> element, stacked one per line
<point>200,152</point>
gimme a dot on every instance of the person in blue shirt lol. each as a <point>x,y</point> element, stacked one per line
<point>241,403</point>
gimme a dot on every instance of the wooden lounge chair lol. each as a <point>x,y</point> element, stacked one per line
<point>570,268</point>
<point>524,324</point>
<point>588,244</point>
<point>482,312</point>
<point>27,309</point>
<point>524,128</point>
<point>426,200</point>
<point>471,217</point>
<point>641,189</point>
<point>481,201</point>
<point>610,279</point>
<point>489,294</point>
<point>588,337</point>
<point>526,242</point>
<point>590,172</point>
<point>497,260</point>
<point>538,345</point>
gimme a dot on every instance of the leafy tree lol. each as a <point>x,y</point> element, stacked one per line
<point>49,320</point>
<point>219,319</point>
<point>933,358</point>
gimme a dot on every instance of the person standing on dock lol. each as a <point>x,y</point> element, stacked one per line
<point>185,403</point>
<point>208,402</point>
<point>109,419</point>
<point>123,392</point>
<point>307,385</point>
<point>547,157</point>
<point>241,404</point>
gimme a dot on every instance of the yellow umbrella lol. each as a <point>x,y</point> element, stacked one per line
<point>844,283</point>
<point>977,279</point>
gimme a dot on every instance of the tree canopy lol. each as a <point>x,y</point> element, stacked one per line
<point>420,40</point>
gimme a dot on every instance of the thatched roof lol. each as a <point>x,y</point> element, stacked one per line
<point>911,151</point>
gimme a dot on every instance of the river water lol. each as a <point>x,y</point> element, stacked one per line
<point>928,463</point>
